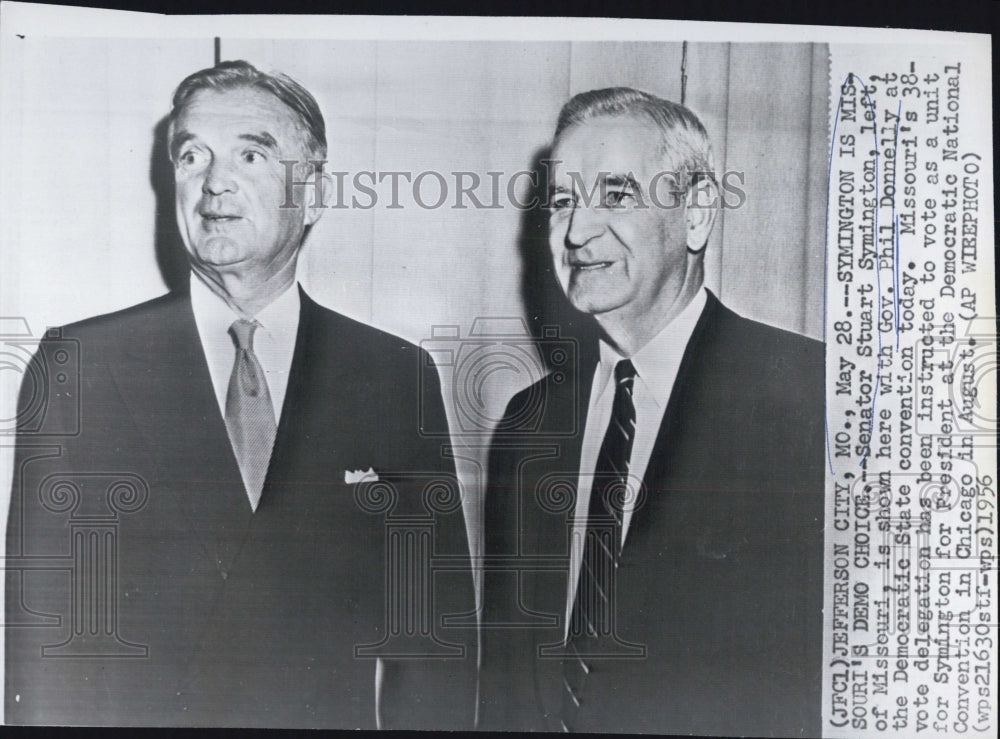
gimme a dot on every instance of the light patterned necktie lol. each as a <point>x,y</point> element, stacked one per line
<point>249,413</point>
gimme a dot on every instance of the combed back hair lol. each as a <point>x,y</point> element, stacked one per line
<point>685,147</point>
<point>241,75</point>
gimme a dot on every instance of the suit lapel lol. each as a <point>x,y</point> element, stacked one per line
<point>165,383</point>
<point>296,401</point>
<point>315,413</point>
<point>659,465</point>
<point>690,372</point>
<point>305,344</point>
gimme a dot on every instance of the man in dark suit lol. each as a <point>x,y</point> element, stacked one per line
<point>249,528</point>
<point>654,531</point>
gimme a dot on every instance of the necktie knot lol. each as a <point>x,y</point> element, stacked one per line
<point>624,372</point>
<point>242,332</point>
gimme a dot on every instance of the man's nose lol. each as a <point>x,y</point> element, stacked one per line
<point>218,178</point>
<point>585,224</point>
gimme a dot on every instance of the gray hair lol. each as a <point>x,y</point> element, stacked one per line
<point>684,142</point>
<point>237,75</point>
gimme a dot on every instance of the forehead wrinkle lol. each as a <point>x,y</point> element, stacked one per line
<point>263,138</point>
<point>643,144</point>
<point>252,110</point>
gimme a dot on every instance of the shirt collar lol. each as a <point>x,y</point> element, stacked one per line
<point>279,318</point>
<point>657,362</point>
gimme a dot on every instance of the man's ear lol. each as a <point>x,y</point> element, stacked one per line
<point>700,209</point>
<point>319,200</point>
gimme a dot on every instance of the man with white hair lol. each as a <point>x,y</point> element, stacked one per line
<point>654,538</point>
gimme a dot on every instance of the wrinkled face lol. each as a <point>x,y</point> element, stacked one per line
<point>617,228</point>
<point>226,148</point>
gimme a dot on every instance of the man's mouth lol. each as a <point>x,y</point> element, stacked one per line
<point>218,217</point>
<point>590,266</point>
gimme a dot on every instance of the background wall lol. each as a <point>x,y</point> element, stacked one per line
<point>87,215</point>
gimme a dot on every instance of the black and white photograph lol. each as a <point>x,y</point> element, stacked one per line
<point>453,376</point>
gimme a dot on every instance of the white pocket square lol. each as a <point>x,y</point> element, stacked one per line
<point>353,476</point>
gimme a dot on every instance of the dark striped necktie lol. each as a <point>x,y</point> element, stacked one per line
<point>592,621</point>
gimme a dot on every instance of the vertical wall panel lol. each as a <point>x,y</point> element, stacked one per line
<point>653,67</point>
<point>814,281</point>
<point>708,96</point>
<point>768,139</point>
<point>80,197</point>
<point>445,109</point>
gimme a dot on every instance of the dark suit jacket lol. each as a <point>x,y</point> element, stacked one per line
<point>720,580</point>
<point>161,599</point>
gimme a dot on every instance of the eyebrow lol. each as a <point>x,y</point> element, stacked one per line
<point>178,140</point>
<point>622,180</point>
<point>262,139</point>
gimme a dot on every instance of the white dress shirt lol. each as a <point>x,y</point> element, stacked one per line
<point>273,341</point>
<point>656,366</point>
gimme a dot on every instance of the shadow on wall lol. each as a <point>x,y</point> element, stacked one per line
<point>171,256</point>
<point>545,303</point>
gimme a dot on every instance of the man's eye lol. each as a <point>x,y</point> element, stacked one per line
<point>561,203</point>
<point>617,198</point>
<point>252,156</point>
<point>191,158</point>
